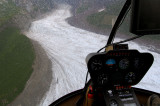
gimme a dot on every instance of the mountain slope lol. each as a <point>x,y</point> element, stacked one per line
<point>20,13</point>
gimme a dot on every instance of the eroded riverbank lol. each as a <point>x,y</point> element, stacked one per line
<point>39,82</point>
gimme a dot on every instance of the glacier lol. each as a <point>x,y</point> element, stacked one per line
<point>67,48</point>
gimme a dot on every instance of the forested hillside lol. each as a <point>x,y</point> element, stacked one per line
<point>21,12</point>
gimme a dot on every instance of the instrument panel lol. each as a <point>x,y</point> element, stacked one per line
<point>118,67</point>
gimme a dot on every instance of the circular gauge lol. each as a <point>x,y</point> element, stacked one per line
<point>102,79</point>
<point>96,65</point>
<point>138,63</point>
<point>110,63</point>
<point>124,64</point>
<point>113,103</point>
<point>130,77</point>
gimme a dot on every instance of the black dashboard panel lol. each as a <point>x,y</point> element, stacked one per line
<point>118,67</point>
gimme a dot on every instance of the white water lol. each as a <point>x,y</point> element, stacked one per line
<point>67,48</point>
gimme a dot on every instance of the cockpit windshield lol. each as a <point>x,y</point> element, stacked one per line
<point>44,44</point>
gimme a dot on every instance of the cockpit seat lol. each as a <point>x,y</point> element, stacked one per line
<point>153,100</point>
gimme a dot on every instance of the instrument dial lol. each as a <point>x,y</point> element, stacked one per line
<point>113,103</point>
<point>110,63</point>
<point>130,77</point>
<point>138,63</point>
<point>124,64</point>
<point>96,65</point>
<point>102,79</point>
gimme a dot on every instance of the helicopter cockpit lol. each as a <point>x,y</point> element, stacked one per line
<point>115,70</point>
<point>118,68</point>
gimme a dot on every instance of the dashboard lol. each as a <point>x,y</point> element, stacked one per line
<point>118,67</point>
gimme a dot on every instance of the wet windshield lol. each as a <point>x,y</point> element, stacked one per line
<point>44,43</point>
